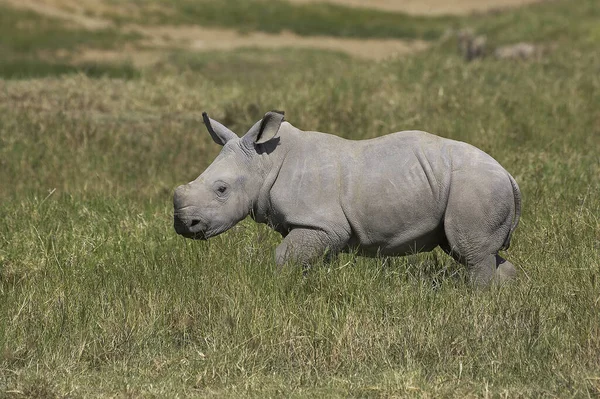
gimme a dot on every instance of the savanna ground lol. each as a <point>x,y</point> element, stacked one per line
<point>100,298</point>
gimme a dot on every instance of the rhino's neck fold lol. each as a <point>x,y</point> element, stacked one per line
<point>262,206</point>
<point>269,166</point>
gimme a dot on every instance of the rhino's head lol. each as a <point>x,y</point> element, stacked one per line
<point>225,193</point>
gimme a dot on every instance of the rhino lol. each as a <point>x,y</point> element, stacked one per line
<point>398,194</point>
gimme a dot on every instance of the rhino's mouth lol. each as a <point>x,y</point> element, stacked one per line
<point>189,228</point>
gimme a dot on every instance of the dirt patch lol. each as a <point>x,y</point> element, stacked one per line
<point>135,57</point>
<point>198,38</point>
<point>51,10</point>
<point>217,39</point>
<point>429,7</point>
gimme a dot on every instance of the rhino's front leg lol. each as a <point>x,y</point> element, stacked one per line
<point>304,246</point>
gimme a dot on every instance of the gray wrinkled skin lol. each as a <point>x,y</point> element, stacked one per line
<point>399,194</point>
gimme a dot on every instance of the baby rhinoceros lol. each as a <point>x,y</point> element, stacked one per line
<point>398,194</point>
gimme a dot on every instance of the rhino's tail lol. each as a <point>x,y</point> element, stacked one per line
<point>515,223</point>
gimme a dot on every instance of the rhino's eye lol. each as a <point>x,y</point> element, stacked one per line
<point>221,189</point>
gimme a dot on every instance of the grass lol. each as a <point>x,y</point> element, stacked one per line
<point>26,31</point>
<point>542,22</point>
<point>251,64</point>
<point>276,16</point>
<point>100,298</point>
<point>33,45</point>
<point>32,68</point>
<point>36,46</point>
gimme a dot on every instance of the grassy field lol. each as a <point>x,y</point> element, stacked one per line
<point>100,298</point>
<point>33,45</point>
<point>533,22</point>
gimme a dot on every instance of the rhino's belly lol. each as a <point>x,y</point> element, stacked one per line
<point>399,243</point>
<point>395,220</point>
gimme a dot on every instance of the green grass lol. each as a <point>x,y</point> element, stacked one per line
<point>251,64</point>
<point>100,298</point>
<point>30,42</point>
<point>304,19</point>
<point>546,22</point>
<point>35,68</point>
<point>23,32</point>
<point>542,22</point>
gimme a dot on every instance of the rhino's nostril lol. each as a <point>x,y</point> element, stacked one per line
<point>194,222</point>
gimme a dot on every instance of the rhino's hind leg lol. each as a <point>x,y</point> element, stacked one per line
<point>477,221</point>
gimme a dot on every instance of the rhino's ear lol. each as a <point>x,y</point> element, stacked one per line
<point>219,133</point>
<point>265,129</point>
